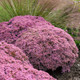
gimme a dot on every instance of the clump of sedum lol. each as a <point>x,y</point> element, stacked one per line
<point>47,47</point>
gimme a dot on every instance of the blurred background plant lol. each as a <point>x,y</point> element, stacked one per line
<point>64,14</point>
<point>11,8</point>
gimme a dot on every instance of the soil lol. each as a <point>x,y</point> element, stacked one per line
<point>74,74</point>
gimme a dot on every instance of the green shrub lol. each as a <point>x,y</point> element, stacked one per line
<point>78,44</point>
<point>73,32</point>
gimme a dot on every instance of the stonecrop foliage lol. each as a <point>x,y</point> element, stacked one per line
<point>11,8</point>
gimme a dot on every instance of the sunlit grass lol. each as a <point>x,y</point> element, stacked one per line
<point>11,8</point>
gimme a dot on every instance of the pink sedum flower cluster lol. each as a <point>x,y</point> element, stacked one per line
<point>47,47</point>
<point>14,65</point>
<point>12,30</point>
